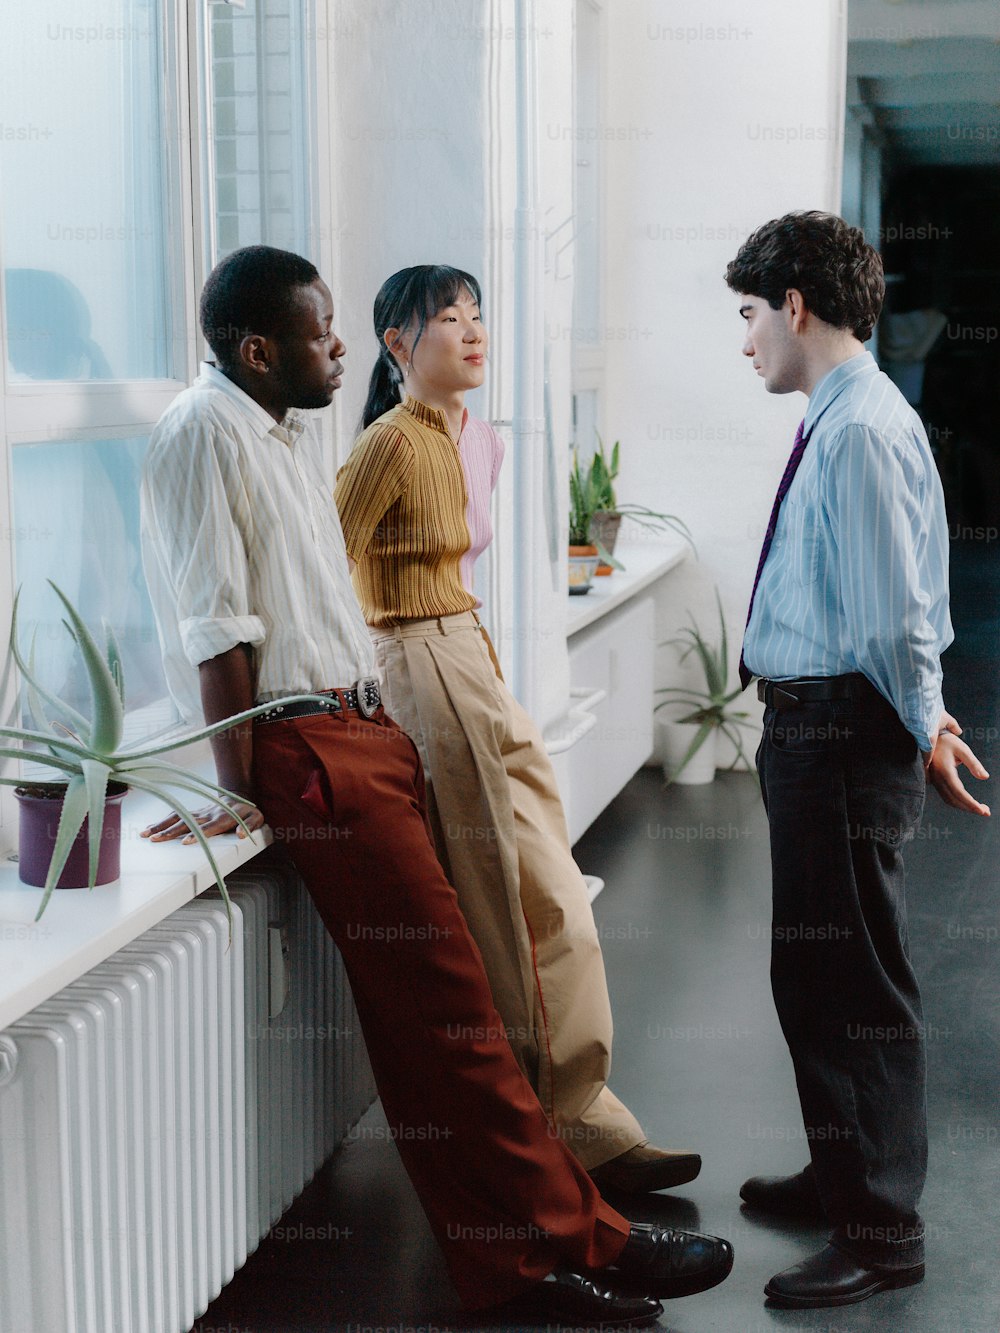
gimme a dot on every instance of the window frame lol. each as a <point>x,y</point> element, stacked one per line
<point>589,359</point>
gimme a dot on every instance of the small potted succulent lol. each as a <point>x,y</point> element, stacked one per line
<point>70,827</point>
<point>607,517</point>
<point>705,713</point>
<point>584,553</point>
<point>606,514</point>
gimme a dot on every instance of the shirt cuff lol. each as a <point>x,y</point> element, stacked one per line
<point>205,637</point>
<point>922,716</point>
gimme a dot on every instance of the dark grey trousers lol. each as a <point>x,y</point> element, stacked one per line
<point>843,785</point>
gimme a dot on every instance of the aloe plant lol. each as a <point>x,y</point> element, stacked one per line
<point>710,707</point>
<point>604,472</point>
<point>592,491</point>
<point>87,751</point>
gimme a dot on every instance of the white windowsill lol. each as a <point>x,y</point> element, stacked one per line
<point>644,562</point>
<point>81,927</point>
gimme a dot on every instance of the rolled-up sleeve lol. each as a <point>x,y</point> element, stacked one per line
<point>874,493</point>
<point>196,507</point>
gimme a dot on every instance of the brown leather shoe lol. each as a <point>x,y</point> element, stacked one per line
<point>644,1169</point>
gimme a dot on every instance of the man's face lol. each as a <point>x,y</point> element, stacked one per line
<point>306,362</point>
<point>776,352</point>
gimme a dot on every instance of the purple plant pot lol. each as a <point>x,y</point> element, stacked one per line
<point>41,807</point>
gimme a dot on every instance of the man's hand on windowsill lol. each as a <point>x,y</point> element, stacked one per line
<point>212,821</point>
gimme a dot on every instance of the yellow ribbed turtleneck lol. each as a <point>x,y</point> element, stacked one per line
<point>402,501</point>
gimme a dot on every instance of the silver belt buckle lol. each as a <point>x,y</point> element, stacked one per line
<point>369,696</point>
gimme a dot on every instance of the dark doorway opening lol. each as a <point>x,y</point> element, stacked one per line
<point>940,334</point>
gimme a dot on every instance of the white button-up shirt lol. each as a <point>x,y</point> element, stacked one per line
<point>241,543</point>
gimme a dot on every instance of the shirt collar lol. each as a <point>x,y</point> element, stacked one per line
<point>258,418</point>
<point>431,416</point>
<point>833,384</point>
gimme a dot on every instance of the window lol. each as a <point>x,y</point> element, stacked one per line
<point>102,171</point>
<point>98,315</point>
<point>90,293</point>
<point>256,79</point>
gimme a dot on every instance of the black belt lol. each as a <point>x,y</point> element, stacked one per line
<point>365,698</point>
<point>788,693</point>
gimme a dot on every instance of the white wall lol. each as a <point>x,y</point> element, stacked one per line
<point>422,158</point>
<point>716,122</point>
<point>408,112</point>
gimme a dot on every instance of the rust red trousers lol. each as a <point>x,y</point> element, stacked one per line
<point>506,1200</point>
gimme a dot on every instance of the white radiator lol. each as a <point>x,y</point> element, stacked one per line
<point>158,1115</point>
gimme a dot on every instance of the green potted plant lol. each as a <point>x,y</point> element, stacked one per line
<point>607,513</point>
<point>584,553</point>
<point>76,819</point>
<point>607,518</point>
<point>696,732</point>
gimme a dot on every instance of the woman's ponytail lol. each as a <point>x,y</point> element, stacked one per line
<point>383,389</point>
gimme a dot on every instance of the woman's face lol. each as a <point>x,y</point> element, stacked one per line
<point>451,353</point>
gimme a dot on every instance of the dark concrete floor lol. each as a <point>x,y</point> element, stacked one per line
<point>684,922</point>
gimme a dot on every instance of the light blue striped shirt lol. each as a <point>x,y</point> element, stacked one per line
<point>857,575</point>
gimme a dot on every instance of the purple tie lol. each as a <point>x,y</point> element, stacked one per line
<point>791,467</point>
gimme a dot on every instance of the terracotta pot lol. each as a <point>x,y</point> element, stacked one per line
<point>604,529</point>
<point>582,563</point>
<point>41,808</point>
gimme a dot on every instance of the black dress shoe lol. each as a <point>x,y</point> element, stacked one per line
<point>586,1300</point>
<point>670,1263</point>
<point>833,1277</point>
<point>788,1196</point>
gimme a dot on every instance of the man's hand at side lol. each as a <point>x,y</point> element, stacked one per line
<point>942,763</point>
<point>226,688</point>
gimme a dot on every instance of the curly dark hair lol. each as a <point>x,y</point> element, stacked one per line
<point>838,273</point>
<point>250,291</point>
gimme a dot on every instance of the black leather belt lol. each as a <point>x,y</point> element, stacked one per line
<point>365,698</point>
<point>788,693</point>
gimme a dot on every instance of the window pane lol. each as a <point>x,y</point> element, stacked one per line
<point>260,136</point>
<point>76,522</point>
<point>83,201</point>
<point>585,424</point>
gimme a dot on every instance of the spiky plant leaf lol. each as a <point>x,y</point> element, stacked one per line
<point>74,812</point>
<point>95,775</point>
<point>73,749</point>
<point>723,642</point>
<point>700,737</point>
<point>35,687</point>
<point>115,664</point>
<point>205,733</point>
<point>36,757</point>
<point>108,714</point>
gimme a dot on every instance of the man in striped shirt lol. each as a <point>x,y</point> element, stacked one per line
<point>847,624</point>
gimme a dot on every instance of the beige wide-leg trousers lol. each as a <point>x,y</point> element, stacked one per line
<point>500,833</point>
